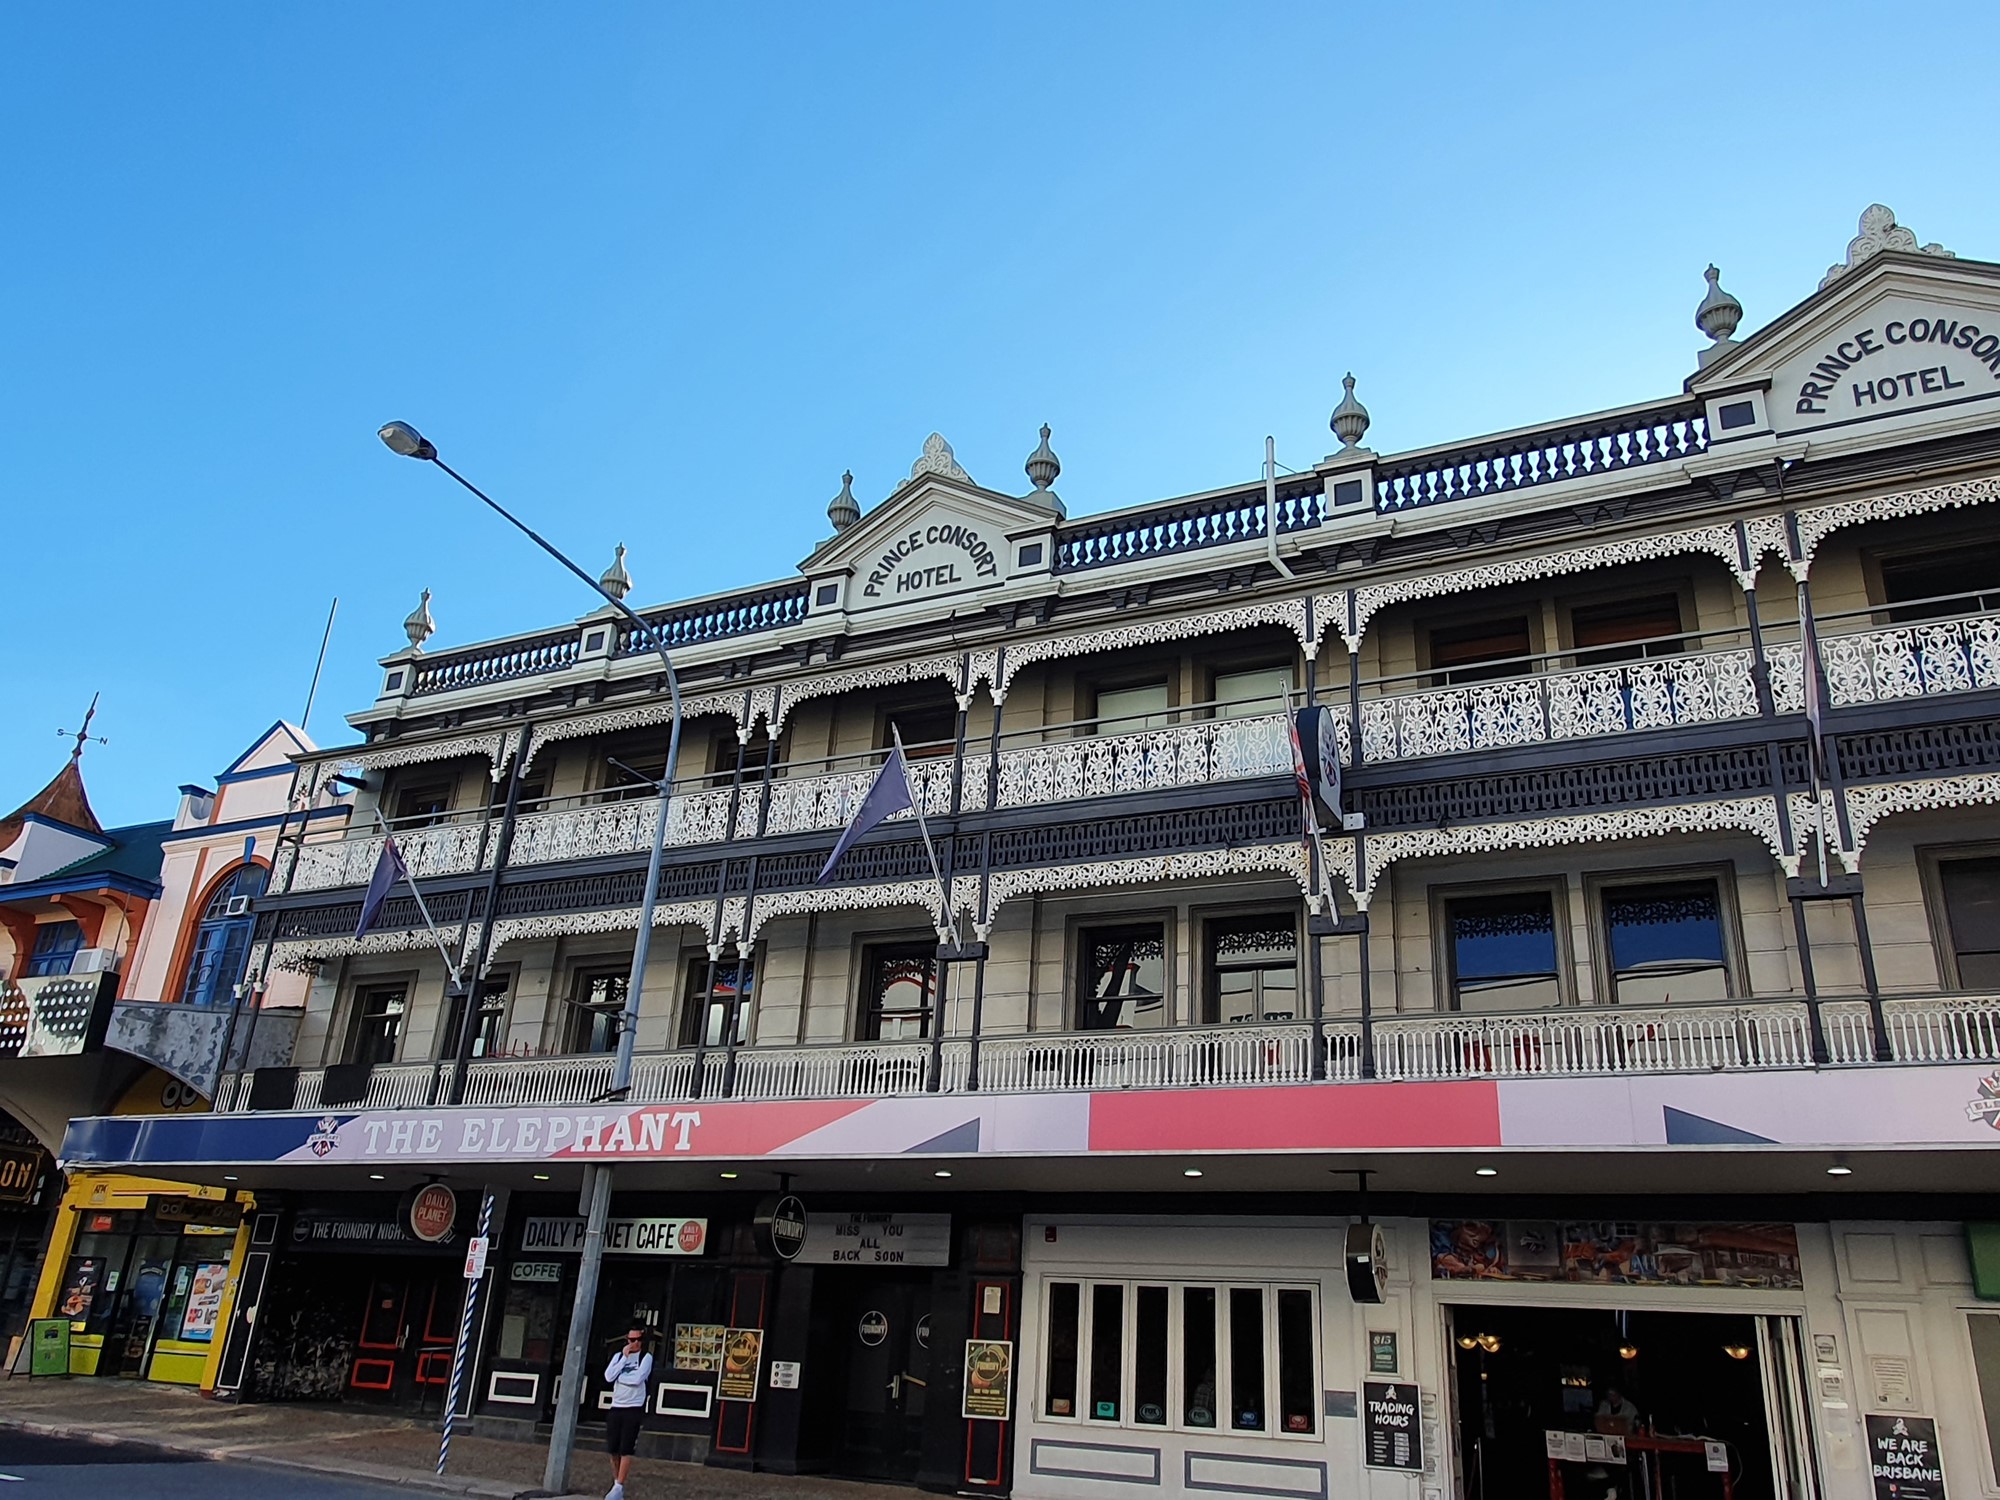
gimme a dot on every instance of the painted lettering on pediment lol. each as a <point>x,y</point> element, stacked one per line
<point>1907,354</point>
<point>937,555</point>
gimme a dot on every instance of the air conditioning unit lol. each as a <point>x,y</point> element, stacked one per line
<point>94,961</point>
<point>239,906</point>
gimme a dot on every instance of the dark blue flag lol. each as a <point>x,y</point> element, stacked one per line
<point>388,870</point>
<point>889,795</point>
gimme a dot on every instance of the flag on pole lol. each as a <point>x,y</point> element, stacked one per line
<point>389,869</point>
<point>889,795</point>
<point>1299,772</point>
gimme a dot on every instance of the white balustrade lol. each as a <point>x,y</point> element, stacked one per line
<point>1657,692</point>
<point>442,849</point>
<point>1149,1059</point>
<point>810,804</point>
<point>1910,661</point>
<point>618,827</point>
<point>1208,750</point>
<point>1943,1030</point>
<point>871,1070</point>
<point>1606,1039</point>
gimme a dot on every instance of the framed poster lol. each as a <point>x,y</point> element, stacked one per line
<point>204,1302</point>
<point>742,1363</point>
<point>989,1386</point>
<point>1903,1458</point>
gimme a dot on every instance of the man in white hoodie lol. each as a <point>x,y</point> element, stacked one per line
<point>627,1375</point>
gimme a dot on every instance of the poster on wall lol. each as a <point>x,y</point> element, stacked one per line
<point>1903,1458</point>
<point>698,1346</point>
<point>1615,1252</point>
<point>989,1369</point>
<point>86,1275</point>
<point>1392,1434</point>
<point>204,1302</point>
<point>742,1364</point>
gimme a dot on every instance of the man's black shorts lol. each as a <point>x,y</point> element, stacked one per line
<point>621,1429</point>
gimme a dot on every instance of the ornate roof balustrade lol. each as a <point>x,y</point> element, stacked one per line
<point>1188,525</point>
<point>1521,460</point>
<point>1746,1036</point>
<point>765,608</point>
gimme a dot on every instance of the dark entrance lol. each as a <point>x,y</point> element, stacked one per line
<point>883,1327</point>
<point>1667,1384</point>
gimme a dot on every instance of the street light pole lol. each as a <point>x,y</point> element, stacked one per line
<point>404,439</point>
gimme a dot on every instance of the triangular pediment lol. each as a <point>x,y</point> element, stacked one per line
<point>936,537</point>
<point>1900,337</point>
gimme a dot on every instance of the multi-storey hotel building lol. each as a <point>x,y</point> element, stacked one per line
<point>1637,1000</point>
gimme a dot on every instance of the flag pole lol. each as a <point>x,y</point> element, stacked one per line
<point>948,919</point>
<point>423,906</point>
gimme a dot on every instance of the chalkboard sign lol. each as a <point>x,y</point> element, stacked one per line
<point>1392,1433</point>
<point>1903,1458</point>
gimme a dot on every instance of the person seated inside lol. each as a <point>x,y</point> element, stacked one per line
<point>1616,1413</point>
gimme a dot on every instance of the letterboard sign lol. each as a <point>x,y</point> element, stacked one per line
<point>1903,1458</point>
<point>1392,1433</point>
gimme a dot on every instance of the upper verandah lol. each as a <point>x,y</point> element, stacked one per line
<point>943,558</point>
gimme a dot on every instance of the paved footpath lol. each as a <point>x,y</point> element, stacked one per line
<point>361,1445</point>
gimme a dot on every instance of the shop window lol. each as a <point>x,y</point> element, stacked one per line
<point>1059,1380</point>
<point>422,804</point>
<point>928,729</point>
<point>1971,889</point>
<point>1130,707</point>
<point>1502,951</point>
<point>222,942</point>
<point>707,1023</point>
<point>1253,969</point>
<point>1107,1352</point>
<point>528,1323</point>
<point>597,1009</point>
<point>896,991</point>
<point>1626,629</point>
<point>1122,977</point>
<point>489,1022</point>
<point>1666,942</point>
<point>56,943</point>
<point>1243,695</point>
<point>378,1022</point>
<point>1985,1331</point>
<point>1158,1355</point>
<point>1479,652</point>
<point>1956,580</point>
<point>1149,1355</point>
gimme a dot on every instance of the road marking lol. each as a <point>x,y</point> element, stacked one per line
<point>14,1478</point>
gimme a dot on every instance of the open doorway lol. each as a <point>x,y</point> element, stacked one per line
<point>1648,1394</point>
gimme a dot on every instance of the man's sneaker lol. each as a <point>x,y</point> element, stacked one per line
<point>616,1492</point>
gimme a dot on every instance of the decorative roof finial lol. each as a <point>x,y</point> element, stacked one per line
<point>938,459</point>
<point>1717,316</point>
<point>843,509</point>
<point>1879,232</point>
<point>614,580</point>
<point>1350,418</point>
<point>83,736</point>
<point>418,624</point>
<point>1043,466</point>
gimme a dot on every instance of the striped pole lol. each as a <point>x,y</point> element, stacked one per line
<point>462,1352</point>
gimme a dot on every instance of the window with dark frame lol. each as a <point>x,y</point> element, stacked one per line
<point>1479,652</point>
<point>1250,692</point>
<point>728,751</point>
<point>708,1023</point>
<point>896,995</point>
<point>928,729</point>
<point>1984,1329</point>
<point>597,1003</point>
<point>1957,580</point>
<point>222,942</point>
<point>489,1021</point>
<point>56,943</point>
<point>1971,890</point>
<point>1252,968</point>
<point>1065,1301</point>
<point>1666,942</point>
<point>1502,951</point>
<point>378,1022</point>
<point>629,769</point>
<point>1124,708</point>
<point>1626,629</point>
<point>422,805</point>
<point>1122,977</point>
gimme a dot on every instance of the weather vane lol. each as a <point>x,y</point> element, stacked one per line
<point>83,736</point>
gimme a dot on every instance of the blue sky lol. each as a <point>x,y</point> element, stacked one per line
<point>657,274</point>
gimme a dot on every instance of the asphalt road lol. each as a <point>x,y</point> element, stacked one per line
<point>32,1466</point>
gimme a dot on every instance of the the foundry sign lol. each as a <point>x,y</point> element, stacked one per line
<point>933,557</point>
<point>1912,355</point>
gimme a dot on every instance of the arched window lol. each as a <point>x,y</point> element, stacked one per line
<point>222,942</point>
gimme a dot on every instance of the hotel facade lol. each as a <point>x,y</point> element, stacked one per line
<point>1617,1022</point>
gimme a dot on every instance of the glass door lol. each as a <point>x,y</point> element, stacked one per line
<point>1781,1357</point>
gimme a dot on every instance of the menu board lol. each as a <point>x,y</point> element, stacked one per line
<point>1392,1433</point>
<point>698,1346</point>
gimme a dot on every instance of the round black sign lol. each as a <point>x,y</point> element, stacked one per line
<point>873,1328</point>
<point>781,1225</point>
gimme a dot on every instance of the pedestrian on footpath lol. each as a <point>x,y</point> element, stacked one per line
<point>627,1374</point>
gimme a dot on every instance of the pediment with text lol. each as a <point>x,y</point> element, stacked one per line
<point>935,539</point>
<point>1902,337</point>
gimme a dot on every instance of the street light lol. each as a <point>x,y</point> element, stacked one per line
<point>402,438</point>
